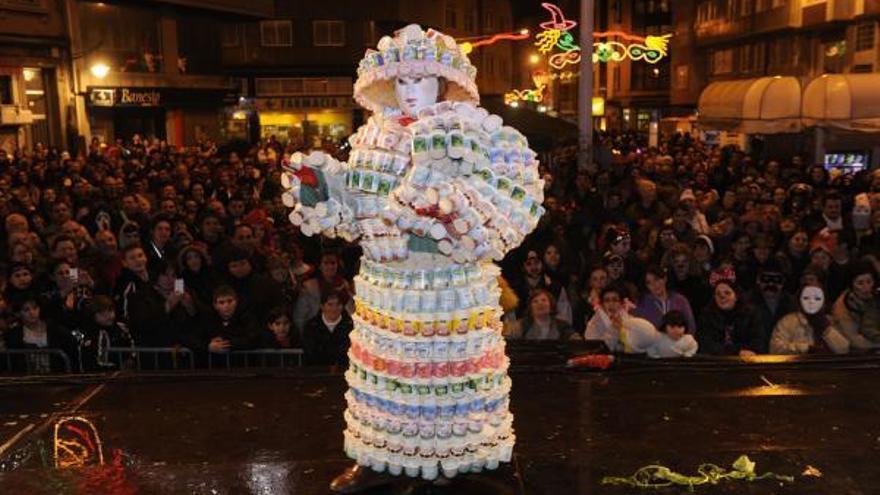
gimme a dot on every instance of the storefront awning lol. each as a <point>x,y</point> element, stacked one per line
<point>767,105</point>
<point>843,101</point>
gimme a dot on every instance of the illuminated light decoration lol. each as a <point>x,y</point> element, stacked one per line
<point>77,443</point>
<point>565,75</point>
<point>556,34</point>
<point>534,95</point>
<point>647,48</point>
<point>468,44</point>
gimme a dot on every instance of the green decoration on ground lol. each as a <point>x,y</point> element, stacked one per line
<point>657,476</point>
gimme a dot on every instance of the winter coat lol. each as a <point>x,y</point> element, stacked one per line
<point>653,309</point>
<point>636,335</point>
<point>858,320</point>
<point>793,335</point>
<point>722,332</point>
<point>323,347</point>
<point>665,347</point>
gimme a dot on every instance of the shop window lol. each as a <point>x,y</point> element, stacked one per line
<point>865,35</point>
<point>276,33</point>
<point>231,35</point>
<point>329,33</point>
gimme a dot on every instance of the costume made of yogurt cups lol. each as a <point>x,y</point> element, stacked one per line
<point>432,199</point>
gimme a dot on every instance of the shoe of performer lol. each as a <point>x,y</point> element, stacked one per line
<point>358,478</point>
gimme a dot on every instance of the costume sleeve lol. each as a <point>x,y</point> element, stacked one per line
<point>315,188</point>
<point>473,188</point>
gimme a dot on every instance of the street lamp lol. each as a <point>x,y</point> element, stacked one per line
<point>100,70</point>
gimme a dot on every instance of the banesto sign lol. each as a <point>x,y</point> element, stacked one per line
<point>144,98</point>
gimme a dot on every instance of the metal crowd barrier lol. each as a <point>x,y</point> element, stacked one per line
<point>26,353</point>
<point>174,355</point>
<point>263,356</point>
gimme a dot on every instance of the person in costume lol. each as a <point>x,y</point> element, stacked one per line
<point>435,189</point>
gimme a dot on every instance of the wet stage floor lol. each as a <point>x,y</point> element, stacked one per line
<point>282,433</point>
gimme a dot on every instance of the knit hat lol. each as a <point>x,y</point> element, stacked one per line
<point>687,194</point>
<point>415,53</point>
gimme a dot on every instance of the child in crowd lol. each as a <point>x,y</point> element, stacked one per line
<point>673,341</point>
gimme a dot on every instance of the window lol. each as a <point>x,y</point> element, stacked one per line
<point>681,77</point>
<point>231,35</point>
<point>370,36</point>
<point>722,61</point>
<point>865,36</point>
<point>862,68</point>
<point>451,17</point>
<point>470,21</point>
<point>276,33</point>
<point>616,77</point>
<point>329,33</point>
<point>25,5</point>
<point>489,22</point>
<point>779,3</point>
<point>745,58</point>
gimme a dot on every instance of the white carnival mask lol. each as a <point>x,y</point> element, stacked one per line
<point>812,300</point>
<point>415,93</point>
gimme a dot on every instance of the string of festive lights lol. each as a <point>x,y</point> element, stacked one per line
<point>468,44</point>
<point>556,35</point>
<point>534,95</point>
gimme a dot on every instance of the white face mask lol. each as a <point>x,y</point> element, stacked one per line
<point>812,300</point>
<point>416,93</point>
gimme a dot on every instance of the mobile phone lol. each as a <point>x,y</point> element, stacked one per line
<point>74,274</point>
<point>178,286</point>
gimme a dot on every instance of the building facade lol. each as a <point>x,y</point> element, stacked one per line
<point>735,40</point>
<point>154,68</point>
<point>35,81</point>
<point>299,67</point>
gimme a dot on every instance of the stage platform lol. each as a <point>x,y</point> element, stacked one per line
<point>281,432</point>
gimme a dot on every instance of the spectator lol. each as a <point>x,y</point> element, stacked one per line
<point>326,336</point>
<point>227,328</point>
<point>100,332</point>
<point>809,329</point>
<point>770,299</point>
<point>278,323</point>
<point>540,323</point>
<point>257,293</point>
<point>328,278</point>
<point>657,300</point>
<point>674,340</point>
<point>613,325</point>
<point>857,311</point>
<point>140,303</point>
<point>32,330</point>
<point>729,325</point>
<point>158,247</point>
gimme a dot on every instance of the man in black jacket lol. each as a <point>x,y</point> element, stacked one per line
<point>141,305</point>
<point>326,336</point>
<point>257,293</point>
<point>227,328</point>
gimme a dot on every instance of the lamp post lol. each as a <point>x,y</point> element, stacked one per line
<point>585,87</point>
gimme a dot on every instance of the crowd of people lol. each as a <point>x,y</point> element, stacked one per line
<point>690,249</point>
<point>670,251</point>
